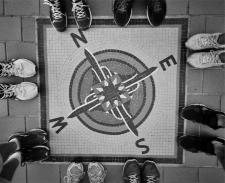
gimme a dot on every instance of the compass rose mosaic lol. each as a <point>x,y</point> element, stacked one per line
<point>109,93</point>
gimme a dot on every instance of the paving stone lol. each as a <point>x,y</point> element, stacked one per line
<point>191,128</point>
<point>178,175</point>
<point>32,122</point>
<point>177,7</point>
<point>10,28</point>
<point>197,24</point>
<point>209,175</point>
<point>2,52</point>
<point>44,9</point>
<point>194,81</point>
<point>21,7</point>
<point>28,29</point>
<point>215,24</point>
<point>20,175</point>
<point>25,108</point>
<point>44,173</point>
<point>213,81</point>
<point>9,125</point>
<point>100,7</point>
<point>199,7</point>
<point>223,103</point>
<point>21,50</point>
<point>1,7</point>
<point>3,108</point>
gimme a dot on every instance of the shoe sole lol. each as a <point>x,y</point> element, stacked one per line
<point>89,23</point>
<point>128,162</point>
<point>128,19</point>
<point>45,147</point>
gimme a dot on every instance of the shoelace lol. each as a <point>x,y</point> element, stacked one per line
<point>211,57</point>
<point>133,178</point>
<point>78,8</point>
<point>73,178</point>
<point>123,5</point>
<point>7,91</point>
<point>96,178</point>
<point>151,179</point>
<point>157,6</point>
<point>209,41</point>
<point>55,8</point>
<point>8,69</point>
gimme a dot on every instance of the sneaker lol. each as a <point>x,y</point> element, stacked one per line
<point>201,114</point>
<point>37,153</point>
<point>82,14</point>
<point>22,91</point>
<point>96,172</point>
<point>57,13</point>
<point>199,144</point>
<point>75,172</point>
<point>21,67</point>
<point>150,172</point>
<point>204,41</point>
<point>131,172</point>
<point>156,12</point>
<point>204,60</point>
<point>29,139</point>
<point>122,11</point>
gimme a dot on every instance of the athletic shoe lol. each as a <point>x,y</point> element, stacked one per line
<point>22,91</point>
<point>204,41</point>
<point>150,172</point>
<point>131,172</point>
<point>96,172</point>
<point>201,114</point>
<point>204,60</point>
<point>29,139</point>
<point>122,11</point>
<point>156,12</point>
<point>57,13</point>
<point>199,144</point>
<point>75,172</point>
<point>37,153</point>
<point>21,67</point>
<point>82,14</point>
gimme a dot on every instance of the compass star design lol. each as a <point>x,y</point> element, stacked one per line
<point>111,93</point>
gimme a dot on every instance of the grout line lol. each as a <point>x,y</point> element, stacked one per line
<point>3,6</point>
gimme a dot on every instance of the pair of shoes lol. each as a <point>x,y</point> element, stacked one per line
<point>204,115</point>
<point>58,16</point>
<point>206,59</point>
<point>156,11</point>
<point>75,173</point>
<point>31,145</point>
<point>148,173</point>
<point>22,68</point>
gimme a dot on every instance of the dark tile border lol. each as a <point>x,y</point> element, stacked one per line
<point>180,130</point>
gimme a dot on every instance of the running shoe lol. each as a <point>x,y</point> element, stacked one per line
<point>96,172</point>
<point>204,60</point>
<point>122,11</point>
<point>75,172</point>
<point>131,172</point>
<point>204,41</point>
<point>156,12</point>
<point>150,172</point>
<point>18,67</point>
<point>82,14</point>
<point>22,91</point>
<point>57,13</point>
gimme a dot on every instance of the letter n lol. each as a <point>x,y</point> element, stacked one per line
<point>80,37</point>
<point>58,123</point>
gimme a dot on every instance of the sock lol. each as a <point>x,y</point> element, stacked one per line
<point>221,39</point>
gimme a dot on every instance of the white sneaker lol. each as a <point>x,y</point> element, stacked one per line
<point>96,172</point>
<point>203,60</point>
<point>22,91</point>
<point>75,172</point>
<point>21,67</point>
<point>204,41</point>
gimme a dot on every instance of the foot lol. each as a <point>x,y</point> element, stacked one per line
<point>57,13</point>
<point>36,153</point>
<point>204,60</point>
<point>96,172</point>
<point>75,172</point>
<point>29,139</point>
<point>122,11</point>
<point>156,12</point>
<point>150,172</point>
<point>201,114</point>
<point>22,91</point>
<point>82,14</point>
<point>131,172</point>
<point>199,144</point>
<point>204,41</point>
<point>21,67</point>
